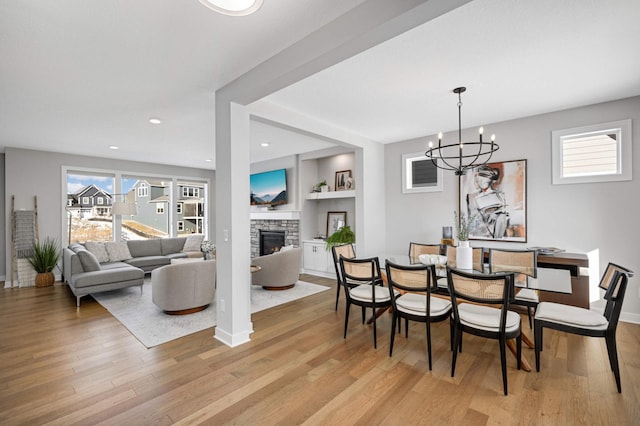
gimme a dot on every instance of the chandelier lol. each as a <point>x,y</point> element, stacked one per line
<point>467,155</point>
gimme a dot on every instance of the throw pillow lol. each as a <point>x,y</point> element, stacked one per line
<point>88,261</point>
<point>98,250</point>
<point>286,248</point>
<point>193,242</point>
<point>117,251</point>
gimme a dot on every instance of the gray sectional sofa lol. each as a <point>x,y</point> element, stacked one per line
<point>95,267</point>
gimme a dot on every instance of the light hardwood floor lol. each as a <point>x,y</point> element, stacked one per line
<point>62,365</point>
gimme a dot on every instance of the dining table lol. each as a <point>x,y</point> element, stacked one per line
<point>547,279</point>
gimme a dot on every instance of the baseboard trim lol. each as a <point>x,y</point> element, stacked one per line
<point>232,340</point>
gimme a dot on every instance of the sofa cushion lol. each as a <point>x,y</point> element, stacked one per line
<point>193,242</point>
<point>107,276</point>
<point>76,246</point>
<point>142,248</point>
<point>98,249</point>
<point>149,261</point>
<point>114,265</point>
<point>172,245</point>
<point>88,260</point>
<point>117,251</point>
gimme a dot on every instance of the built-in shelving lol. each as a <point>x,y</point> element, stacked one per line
<point>331,195</point>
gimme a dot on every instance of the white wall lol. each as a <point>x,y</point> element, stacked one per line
<point>598,218</point>
<point>37,173</point>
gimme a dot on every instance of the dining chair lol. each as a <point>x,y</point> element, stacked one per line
<point>410,290</point>
<point>369,293</point>
<point>471,295</point>
<point>586,322</point>
<point>348,251</point>
<point>416,249</point>
<point>524,263</point>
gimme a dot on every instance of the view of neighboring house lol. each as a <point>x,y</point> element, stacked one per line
<point>152,199</point>
<point>90,202</point>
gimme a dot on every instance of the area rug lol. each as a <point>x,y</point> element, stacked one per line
<point>152,327</point>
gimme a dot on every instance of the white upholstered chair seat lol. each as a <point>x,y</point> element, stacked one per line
<point>571,315</point>
<point>364,293</point>
<point>486,317</point>
<point>527,295</point>
<point>416,304</point>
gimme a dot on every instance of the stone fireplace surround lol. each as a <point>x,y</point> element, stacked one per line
<point>290,226</point>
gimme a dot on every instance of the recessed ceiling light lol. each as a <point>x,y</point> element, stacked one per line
<point>208,160</point>
<point>155,121</point>
<point>264,144</point>
<point>233,7</point>
<point>113,147</point>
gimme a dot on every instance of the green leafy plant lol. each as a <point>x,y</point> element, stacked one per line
<point>45,255</point>
<point>318,186</point>
<point>463,225</point>
<point>343,235</point>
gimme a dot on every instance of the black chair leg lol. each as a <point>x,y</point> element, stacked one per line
<point>613,358</point>
<point>456,336</point>
<point>530,319</point>
<point>519,351</point>
<point>406,327</point>
<point>394,321</point>
<point>375,337</point>
<point>337,296</point>
<point>451,336</point>
<point>346,318</point>
<point>429,343</point>
<point>363,313</point>
<point>503,362</point>
<point>537,337</point>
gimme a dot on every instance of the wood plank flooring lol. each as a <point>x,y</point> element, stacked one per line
<point>64,366</point>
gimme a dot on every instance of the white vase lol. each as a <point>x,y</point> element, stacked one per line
<point>464,256</point>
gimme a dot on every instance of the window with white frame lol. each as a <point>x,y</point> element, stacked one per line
<point>100,201</point>
<point>596,153</point>
<point>159,208</point>
<point>180,226</point>
<point>179,208</point>
<point>190,192</point>
<point>85,201</point>
<point>143,190</point>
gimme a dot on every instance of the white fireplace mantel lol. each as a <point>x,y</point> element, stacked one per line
<point>276,215</point>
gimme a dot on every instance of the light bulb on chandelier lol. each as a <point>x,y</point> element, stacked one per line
<point>476,154</point>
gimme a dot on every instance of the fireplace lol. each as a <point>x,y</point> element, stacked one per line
<point>271,241</point>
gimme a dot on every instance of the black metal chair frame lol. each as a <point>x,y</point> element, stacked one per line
<point>430,283</point>
<point>374,279</point>
<point>336,264</point>
<point>500,335</point>
<point>615,290</point>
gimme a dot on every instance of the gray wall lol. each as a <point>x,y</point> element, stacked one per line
<point>599,219</point>
<point>39,173</point>
<point>3,215</point>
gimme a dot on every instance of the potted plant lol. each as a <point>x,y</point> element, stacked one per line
<point>463,227</point>
<point>321,186</point>
<point>44,257</point>
<point>344,235</point>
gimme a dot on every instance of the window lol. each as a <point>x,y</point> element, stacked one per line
<point>85,187</point>
<point>159,208</point>
<point>180,226</point>
<point>143,190</point>
<point>190,192</point>
<point>85,201</point>
<point>419,174</point>
<point>100,201</point>
<point>179,208</point>
<point>597,153</point>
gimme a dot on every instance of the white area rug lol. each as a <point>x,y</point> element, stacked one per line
<point>152,327</point>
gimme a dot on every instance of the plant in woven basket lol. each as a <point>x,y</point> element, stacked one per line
<point>44,258</point>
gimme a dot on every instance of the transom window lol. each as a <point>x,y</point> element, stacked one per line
<point>190,192</point>
<point>598,153</point>
<point>143,190</point>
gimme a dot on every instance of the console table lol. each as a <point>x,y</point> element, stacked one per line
<point>576,264</point>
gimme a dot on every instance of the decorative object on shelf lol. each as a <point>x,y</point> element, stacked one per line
<point>321,186</point>
<point>335,221</point>
<point>447,236</point>
<point>350,184</point>
<point>496,195</point>
<point>344,235</point>
<point>341,179</point>
<point>44,258</point>
<point>468,154</point>
<point>207,248</point>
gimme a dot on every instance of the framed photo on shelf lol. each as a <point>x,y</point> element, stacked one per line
<point>494,195</point>
<point>343,180</point>
<point>335,221</point>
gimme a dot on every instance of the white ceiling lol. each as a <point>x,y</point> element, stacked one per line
<point>77,76</point>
